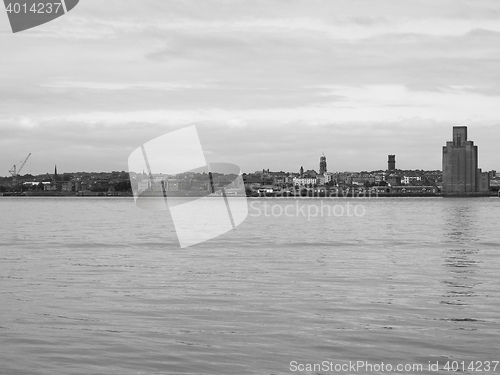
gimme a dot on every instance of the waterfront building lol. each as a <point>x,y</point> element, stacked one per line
<point>408,179</point>
<point>172,184</point>
<point>483,181</point>
<point>279,179</point>
<point>67,186</point>
<point>329,177</point>
<point>289,179</point>
<point>393,179</point>
<point>379,177</point>
<point>305,181</point>
<point>78,185</point>
<point>460,165</point>
<point>151,185</point>
<point>413,189</point>
<point>325,178</point>
<point>343,178</point>
<point>252,180</point>
<point>143,185</point>
<point>49,186</point>
<point>357,181</point>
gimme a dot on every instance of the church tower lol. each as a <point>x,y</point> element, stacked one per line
<point>391,163</point>
<point>322,164</point>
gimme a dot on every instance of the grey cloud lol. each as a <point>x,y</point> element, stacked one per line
<point>243,67</point>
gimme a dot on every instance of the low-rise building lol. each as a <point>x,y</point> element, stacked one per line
<point>305,181</point>
<point>252,181</point>
<point>393,179</point>
<point>483,181</point>
<point>408,179</point>
<point>414,189</point>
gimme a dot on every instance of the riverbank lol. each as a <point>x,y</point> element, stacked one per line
<point>64,194</point>
<point>263,195</point>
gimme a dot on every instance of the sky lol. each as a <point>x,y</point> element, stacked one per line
<point>268,83</point>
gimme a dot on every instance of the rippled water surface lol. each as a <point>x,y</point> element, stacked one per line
<point>98,286</point>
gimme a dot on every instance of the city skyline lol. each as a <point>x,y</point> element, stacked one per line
<point>269,84</point>
<point>380,163</point>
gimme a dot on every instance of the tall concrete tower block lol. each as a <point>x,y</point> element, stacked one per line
<point>322,164</point>
<point>460,172</point>
<point>391,163</point>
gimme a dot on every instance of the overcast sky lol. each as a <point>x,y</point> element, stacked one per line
<point>271,83</point>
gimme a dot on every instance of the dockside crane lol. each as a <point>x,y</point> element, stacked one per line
<point>15,171</point>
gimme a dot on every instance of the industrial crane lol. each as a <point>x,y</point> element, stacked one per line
<point>15,170</point>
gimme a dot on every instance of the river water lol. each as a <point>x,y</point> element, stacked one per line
<point>98,286</point>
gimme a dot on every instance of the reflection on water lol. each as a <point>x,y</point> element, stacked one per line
<point>460,258</point>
